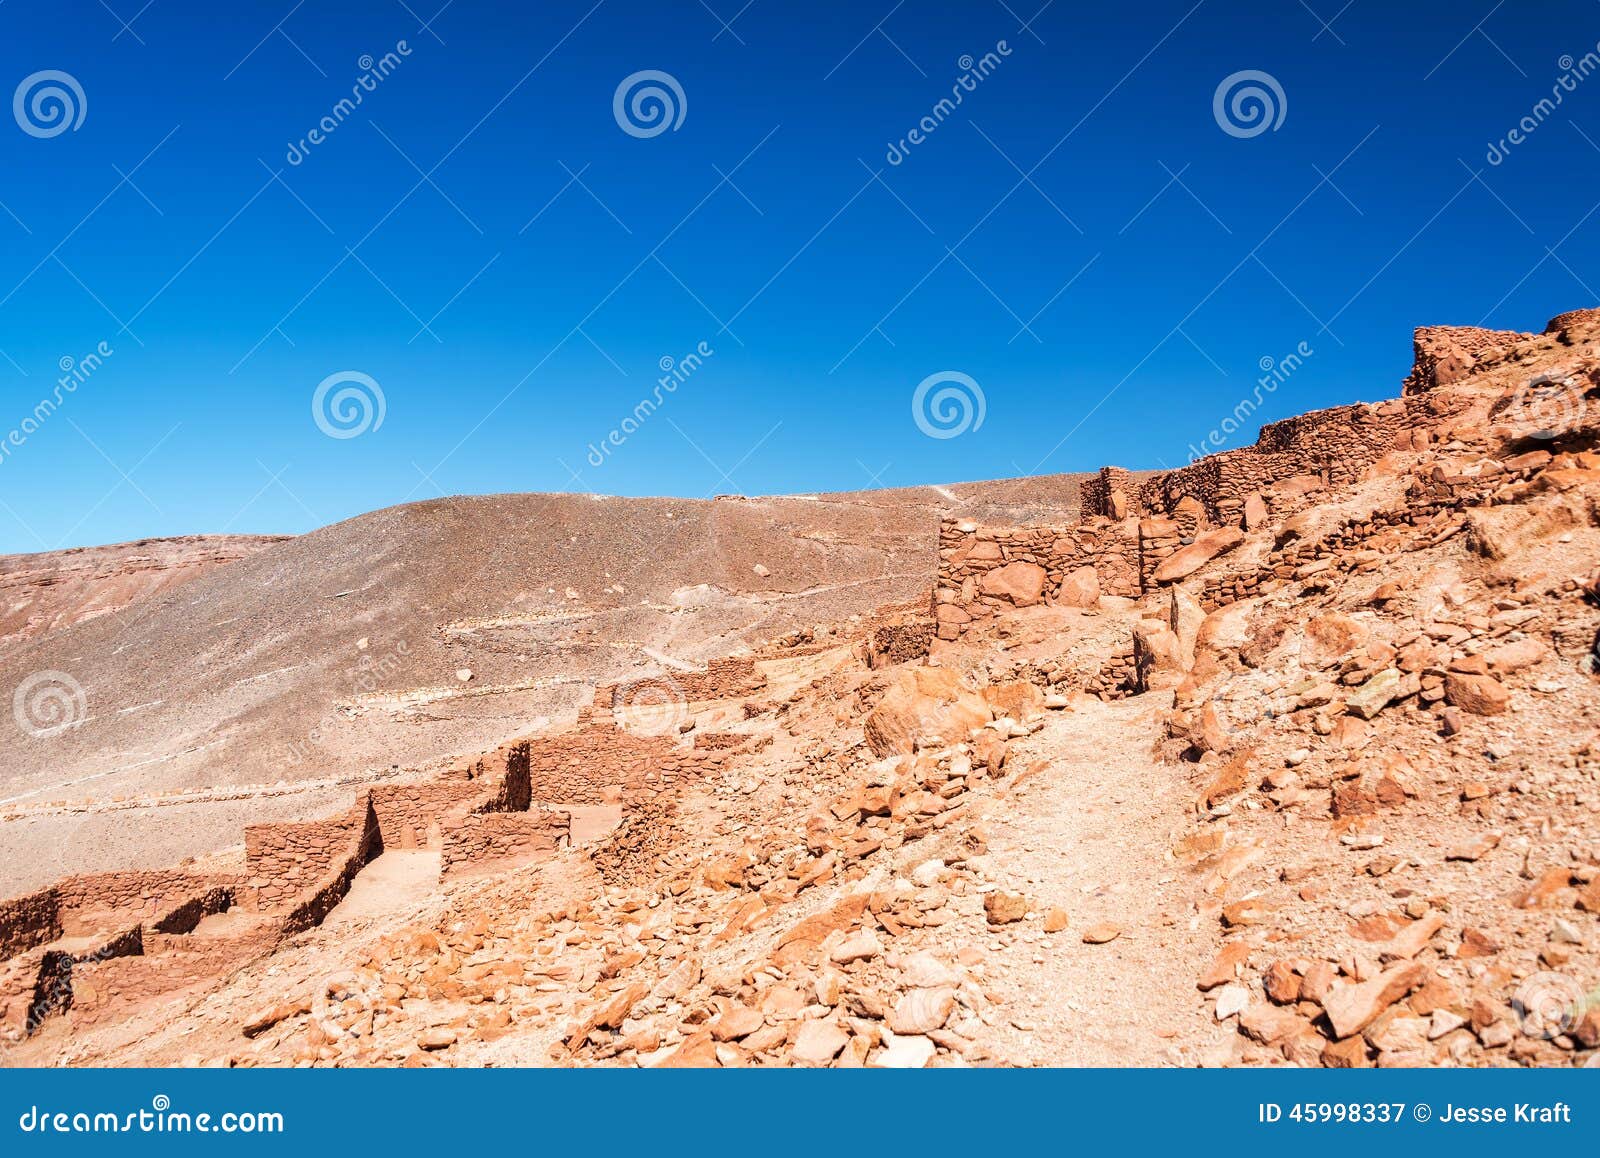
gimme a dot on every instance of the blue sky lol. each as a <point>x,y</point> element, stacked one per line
<point>508,266</point>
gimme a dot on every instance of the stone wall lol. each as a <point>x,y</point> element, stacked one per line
<point>362,843</point>
<point>1446,354</point>
<point>598,763</point>
<point>29,921</point>
<point>410,815</point>
<point>1131,525</point>
<point>480,839</point>
<point>723,679</point>
<point>98,901</point>
<point>284,860</point>
<point>985,570</point>
<point>896,643</point>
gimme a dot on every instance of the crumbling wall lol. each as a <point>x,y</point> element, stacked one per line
<point>1119,556</point>
<point>599,762</point>
<point>96,901</point>
<point>29,921</point>
<point>409,815</point>
<point>479,839</point>
<point>729,678</point>
<point>1446,354</point>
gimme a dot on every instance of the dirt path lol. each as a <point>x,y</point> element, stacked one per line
<point>1091,835</point>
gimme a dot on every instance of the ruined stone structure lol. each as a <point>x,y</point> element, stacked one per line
<point>1134,536</point>
<point>134,935</point>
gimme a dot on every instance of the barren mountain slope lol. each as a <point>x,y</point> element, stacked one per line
<point>338,652</point>
<point>44,592</point>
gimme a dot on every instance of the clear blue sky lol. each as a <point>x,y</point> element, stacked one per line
<point>481,237</point>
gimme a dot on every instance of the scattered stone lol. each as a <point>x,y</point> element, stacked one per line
<point>1004,908</point>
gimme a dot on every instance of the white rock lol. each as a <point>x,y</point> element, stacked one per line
<point>1232,1000</point>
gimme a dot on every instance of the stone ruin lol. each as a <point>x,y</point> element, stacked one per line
<point>1134,535</point>
<point>90,941</point>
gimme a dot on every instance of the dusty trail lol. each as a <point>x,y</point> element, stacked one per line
<point>1091,835</point>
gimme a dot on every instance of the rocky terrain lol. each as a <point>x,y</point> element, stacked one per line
<point>1289,757</point>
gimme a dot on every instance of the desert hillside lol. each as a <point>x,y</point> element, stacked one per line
<point>400,639</point>
<point>46,592</point>
<point>1290,756</point>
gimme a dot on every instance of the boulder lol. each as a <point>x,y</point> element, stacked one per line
<point>924,707</point>
<point>1351,1008</point>
<point>1157,656</point>
<point>1187,560</point>
<point>1482,695</point>
<point>1018,699</point>
<point>1081,588</point>
<point>1329,638</point>
<point>1021,584</point>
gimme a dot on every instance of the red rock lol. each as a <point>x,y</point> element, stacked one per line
<point>1270,1023</point>
<point>736,1021</point>
<point>1081,588</point>
<point>1481,695</point>
<point>1021,584</point>
<point>1550,890</point>
<point>1477,943</point>
<point>818,1043</point>
<point>1187,560</point>
<point>1004,908</point>
<point>698,1052</point>
<point>1351,1008</point>
<point>1225,968</point>
<point>1349,1054</point>
<point>1282,983</point>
